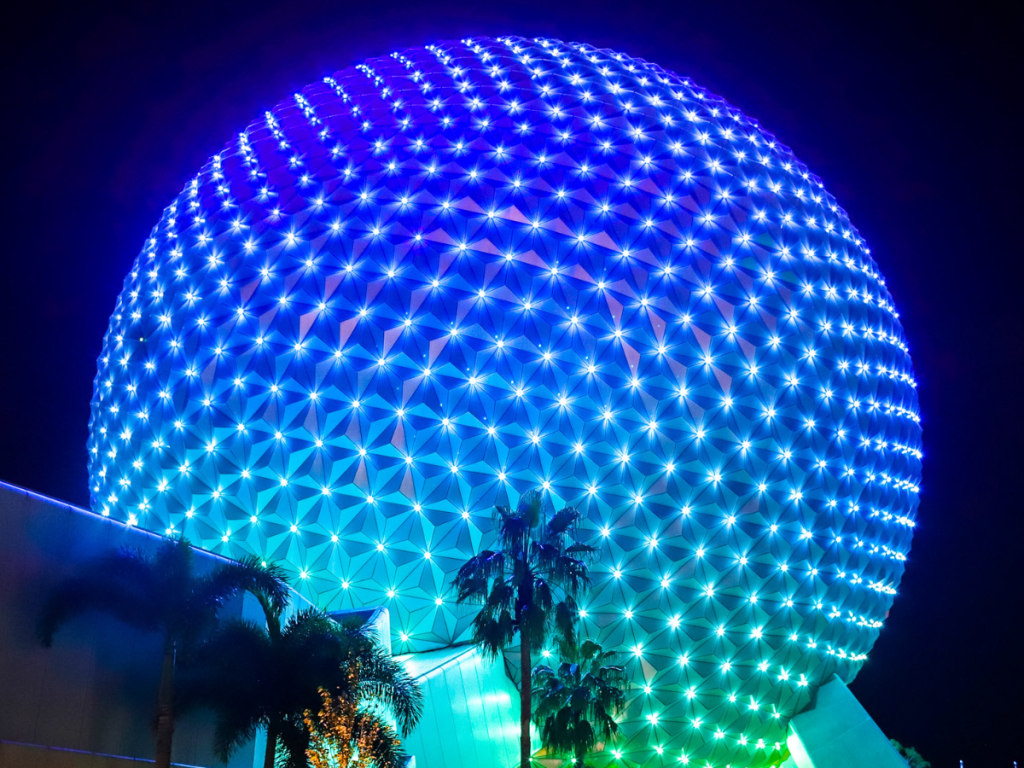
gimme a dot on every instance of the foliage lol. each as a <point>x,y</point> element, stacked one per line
<point>159,593</point>
<point>344,734</point>
<point>269,676</point>
<point>911,755</point>
<point>530,584</point>
<point>576,702</point>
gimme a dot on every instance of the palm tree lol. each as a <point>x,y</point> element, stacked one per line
<point>159,593</point>
<point>577,702</point>
<point>269,675</point>
<point>530,585</point>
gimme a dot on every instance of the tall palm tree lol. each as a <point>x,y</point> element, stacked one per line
<point>577,702</point>
<point>269,674</point>
<point>530,584</point>
<point>159,593</point>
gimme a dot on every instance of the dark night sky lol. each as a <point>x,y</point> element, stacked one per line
<point>906,114</point>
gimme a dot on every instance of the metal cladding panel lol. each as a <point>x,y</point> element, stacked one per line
<point>444,277</point>
<point>471,713</point>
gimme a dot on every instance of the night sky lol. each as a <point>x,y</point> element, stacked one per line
<point>906,114</point>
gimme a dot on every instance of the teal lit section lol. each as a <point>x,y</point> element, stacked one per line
<point>471,710</point>
<point>434,281</point>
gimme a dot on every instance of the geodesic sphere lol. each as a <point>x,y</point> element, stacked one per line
<point>436,280</point>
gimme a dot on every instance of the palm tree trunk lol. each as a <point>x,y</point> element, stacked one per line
<point>271,751</point>
<point>165,708</point>
<point>525,696</point>
<point>581,759</point>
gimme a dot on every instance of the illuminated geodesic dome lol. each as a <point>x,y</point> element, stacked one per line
<point>441,278</point>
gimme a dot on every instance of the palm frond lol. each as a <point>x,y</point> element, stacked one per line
<point>561,523</point>
<point>313,622</point>
<point>119,583</point>
<point>234,658</point>
<point>514,527</point>
<point>385,680</point>
<point>543,596</point>
<point>271,613</point>
<point>501,597</point>
<point>590,650</point>
<point>232,673</point>
<point>474,577</point>
<point>566,620</point>
<point>568,573</point>
<point>246,575</point>
<point>585,553</point>
<point>531,507</point>
<point>493,633</point>
<point>385,746</point>
<point>232,730</point>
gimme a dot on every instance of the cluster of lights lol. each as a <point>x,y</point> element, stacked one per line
<point>442,278</point>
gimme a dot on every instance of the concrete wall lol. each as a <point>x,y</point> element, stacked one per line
<point>89,700</point>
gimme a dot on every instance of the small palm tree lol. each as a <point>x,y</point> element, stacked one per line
<point>159,593</point>
<point>577,703</point>
<point>530,584</point>
<point>270,675</point>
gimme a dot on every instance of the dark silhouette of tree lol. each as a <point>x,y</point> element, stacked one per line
<point>911,755</point>
<point>269,675</point>
<point>159,593</point>
<point>575,703</point>
<point>530,584</point>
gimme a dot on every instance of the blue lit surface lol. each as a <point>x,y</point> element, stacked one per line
<point>441,278</point>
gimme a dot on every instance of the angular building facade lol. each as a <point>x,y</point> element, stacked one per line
<point>441,278</point>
